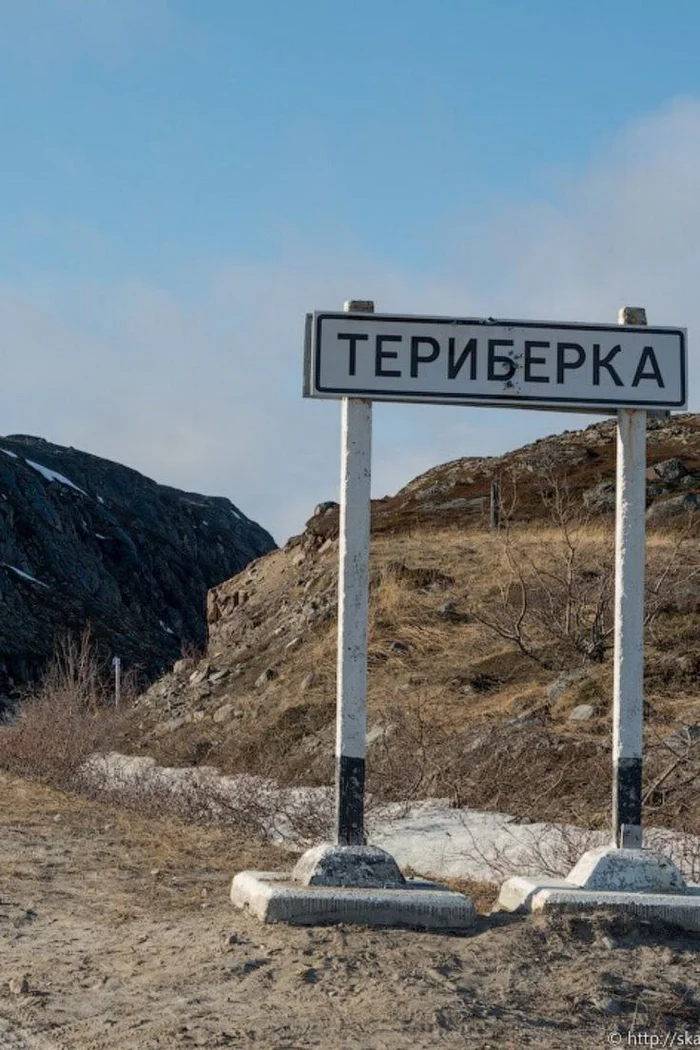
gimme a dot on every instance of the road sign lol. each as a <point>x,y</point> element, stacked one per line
<point>516,364</point>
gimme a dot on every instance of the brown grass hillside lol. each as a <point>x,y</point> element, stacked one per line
<point>490,653</point>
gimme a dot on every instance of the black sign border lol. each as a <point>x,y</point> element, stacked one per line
<point>312,359</point>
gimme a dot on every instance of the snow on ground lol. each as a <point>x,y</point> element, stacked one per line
<point>24,575</point>
<point>53,475</point>
<point>8,453</point>
<point>430,837</point>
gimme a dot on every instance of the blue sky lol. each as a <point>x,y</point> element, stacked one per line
<point>181,180</point>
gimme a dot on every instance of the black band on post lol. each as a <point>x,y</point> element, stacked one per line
<point>350,795</point>
<point>627,795</point>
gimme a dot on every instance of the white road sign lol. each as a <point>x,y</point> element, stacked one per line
<point>545,364</point>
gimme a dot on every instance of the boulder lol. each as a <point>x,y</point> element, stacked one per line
<point>666,510</point>
<point>601,498</point>
<point>670,471</point>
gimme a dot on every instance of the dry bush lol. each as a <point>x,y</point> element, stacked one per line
<point>554,583</point>
<point>550,850</point>
<point>253,805</point>
<point>65,720</point>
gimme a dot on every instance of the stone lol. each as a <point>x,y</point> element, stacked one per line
<point>582,713</point>
<point>673,507</point>
<point>601,498</point>
<point>218,676</point>
<point>308,681</point>
<point>325,507</point>
<point>268,675</point>
<point>19,985</point>
<point>670,470</point>
<point>563,682</point>
<point>609,1007</point>
<point>398,647</point>
<point>223,713</point>
<point>169,726</point>
<point>294,643</point>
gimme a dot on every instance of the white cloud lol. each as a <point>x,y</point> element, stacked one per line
<point>203,391</point>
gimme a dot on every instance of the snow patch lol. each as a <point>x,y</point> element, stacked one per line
<point>431,837</point>
<point>53,475</point>
<point>165,627</point>
<point>24,575</point>
<point>8,453</point>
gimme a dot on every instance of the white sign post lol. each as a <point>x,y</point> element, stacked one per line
<point>359,356</point>
<point>628,672</point>
<point>353,593</point>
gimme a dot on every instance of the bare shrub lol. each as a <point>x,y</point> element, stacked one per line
<point>553,591</point>
<point>66,719</point>
<point>253,805</point>
<point>550,850</point>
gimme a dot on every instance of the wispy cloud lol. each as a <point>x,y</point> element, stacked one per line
<point>202,389</point>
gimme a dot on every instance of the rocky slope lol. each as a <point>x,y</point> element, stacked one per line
<point>84,540</point>
<point>455,707</point>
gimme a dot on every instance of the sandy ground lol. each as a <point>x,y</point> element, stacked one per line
<point>117,934</point>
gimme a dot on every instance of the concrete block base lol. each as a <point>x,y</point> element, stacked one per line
<point>628,870</point>
<point>275,897</point>
<point>521,894</point>
<point>329,864</point>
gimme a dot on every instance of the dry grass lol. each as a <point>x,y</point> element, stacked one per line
<point>456,709</point>
<point>68,718</point>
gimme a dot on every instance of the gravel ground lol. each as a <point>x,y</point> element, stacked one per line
<point>116,933</point>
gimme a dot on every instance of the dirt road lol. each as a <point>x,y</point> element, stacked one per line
<point>117,934</point>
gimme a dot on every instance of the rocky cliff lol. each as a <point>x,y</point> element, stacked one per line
<point>84,540</point>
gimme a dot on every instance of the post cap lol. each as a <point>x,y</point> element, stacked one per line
<point>632,315</point>
<point>359,306</point>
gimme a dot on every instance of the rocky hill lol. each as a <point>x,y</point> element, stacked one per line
<point>467,697</point>
<point>84,540</point>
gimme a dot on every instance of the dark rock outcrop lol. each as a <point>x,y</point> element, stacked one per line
<point>84,540</point>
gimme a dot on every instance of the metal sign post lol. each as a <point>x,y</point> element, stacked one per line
<point>117,665</point>
<point>353,595</point>
<point>628,701</point>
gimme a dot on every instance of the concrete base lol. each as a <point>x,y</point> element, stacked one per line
<point>625,881</point>
<point>537,895</point>
<point>274,897</point>
<point>366,867</point>
<point>631,870</point>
